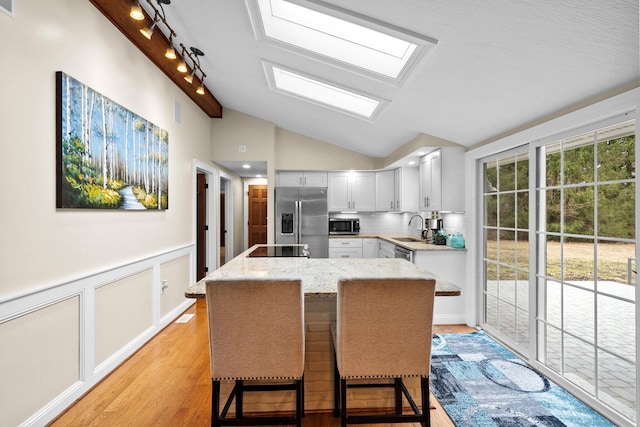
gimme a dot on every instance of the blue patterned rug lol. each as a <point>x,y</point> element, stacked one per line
<point>481,383</point>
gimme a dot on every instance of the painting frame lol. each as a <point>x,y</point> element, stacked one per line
<point>107,157</point>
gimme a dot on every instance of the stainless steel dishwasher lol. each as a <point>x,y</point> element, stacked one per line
<point>403,253</point>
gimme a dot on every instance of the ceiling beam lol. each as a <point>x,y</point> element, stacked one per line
<point>117,11</point>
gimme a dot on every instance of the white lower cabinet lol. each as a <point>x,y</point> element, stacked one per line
<point>345,248</point>
<point>369,248</point>
<point>386,249</point>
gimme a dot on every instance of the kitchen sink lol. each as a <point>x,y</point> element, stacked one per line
<point>407,239</point>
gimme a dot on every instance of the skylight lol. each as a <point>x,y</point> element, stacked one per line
<point>324,93</point>
<point>370,46</point>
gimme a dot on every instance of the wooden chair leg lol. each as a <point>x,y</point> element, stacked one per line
<point>426,407</point>
<point>215,402</point>
<point>336,387</point>
<point>343,402</point>
<point>239,398</point>
<point>398,395</point>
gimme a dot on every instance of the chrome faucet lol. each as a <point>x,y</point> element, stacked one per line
<point>422,236</point>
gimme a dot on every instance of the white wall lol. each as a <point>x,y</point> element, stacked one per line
<point>65,274</point>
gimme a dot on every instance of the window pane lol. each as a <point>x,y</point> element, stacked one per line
<point>523,173</point>
<point>490,177</point>
<point>578,257</point>
<point>578,159</point>
<point>491,244</point>
<point>578,210</point>
<point>523,209</point>
<point>553,210</point>
<point>616,331</point>
<point>579,363</point>
<point>616,158</point>
<point>522,290</point>
<point>491,278</point>
<point>551,350</point>
<point>553,260</point>
<point>491,310</point>
<point>491,210</point>
<point>507,316</point>
<point>507,210</point>
<point>613,266</point>
<point>507,289</point>
<point>522,243</point>
<point>579,317</point>
<point>507,176</point>
<point>617,384</point>
<point>616,210</point>
<point>552,312</point>
<point>522,319</point>
<point>507,247</point>
<point>553,164</point>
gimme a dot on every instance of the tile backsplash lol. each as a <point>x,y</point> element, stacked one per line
<point>385,222</point>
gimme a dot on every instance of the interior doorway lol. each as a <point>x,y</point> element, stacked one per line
<point>225,203</point>
<point>201,225</point>
<point>257,225</point>
<point>204,181</point>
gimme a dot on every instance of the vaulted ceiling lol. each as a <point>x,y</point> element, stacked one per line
<point>496,66</point>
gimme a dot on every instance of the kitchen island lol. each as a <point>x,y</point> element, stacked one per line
<point>319,278</point>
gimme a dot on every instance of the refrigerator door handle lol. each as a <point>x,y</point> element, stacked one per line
<point>298,219</point>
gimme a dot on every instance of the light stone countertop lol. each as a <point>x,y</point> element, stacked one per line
<point>319,275</point>
<point>418,245</point>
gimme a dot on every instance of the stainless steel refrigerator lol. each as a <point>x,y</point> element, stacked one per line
<point>302,218</point>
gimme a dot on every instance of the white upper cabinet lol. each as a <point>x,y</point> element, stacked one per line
<point>352,191</point>
<point>397,190</point>
<point>442,180</point>
<point>386,190</point>
<point>302,179</point>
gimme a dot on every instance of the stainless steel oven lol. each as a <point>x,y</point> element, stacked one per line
<point>344,226</point>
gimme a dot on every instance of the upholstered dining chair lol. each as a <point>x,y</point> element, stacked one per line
<point>383,334</point>
<point>256,337</point>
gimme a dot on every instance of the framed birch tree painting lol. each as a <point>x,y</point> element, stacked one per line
<point>107,156</point>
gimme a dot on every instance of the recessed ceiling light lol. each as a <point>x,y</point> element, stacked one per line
<point>340,35</point>
<point>412,162</point>
<point>320,92</point>
<point>246,166</point>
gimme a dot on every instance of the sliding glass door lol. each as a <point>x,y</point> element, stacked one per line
<point>585,285</point>
<point>506,248</point>
<point>558,259</point>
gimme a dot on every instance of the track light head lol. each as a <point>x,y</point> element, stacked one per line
<point>136,11</point>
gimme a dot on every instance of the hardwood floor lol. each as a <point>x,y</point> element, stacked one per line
<point>168,383</point>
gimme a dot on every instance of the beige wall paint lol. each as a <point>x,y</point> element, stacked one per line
<point>123,311</point>
<point>298,152</point>
<point>39,359</point>
<point>40,244</point>
<point>42,249</point>
<point>258,138</point>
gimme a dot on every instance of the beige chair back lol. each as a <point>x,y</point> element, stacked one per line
<point>384,327</point>
<point>256,329</point>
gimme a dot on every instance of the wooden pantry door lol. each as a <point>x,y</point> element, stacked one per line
<point>257,214</point>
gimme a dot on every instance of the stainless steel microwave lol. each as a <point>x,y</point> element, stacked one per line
<point>344,225</point>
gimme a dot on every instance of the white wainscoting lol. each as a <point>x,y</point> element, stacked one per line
<point>60,341</point>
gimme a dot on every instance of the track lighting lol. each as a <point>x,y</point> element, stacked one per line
<point>136,11</point>
<point>170,53</point>
<point>193,53</point>
<point>148,31</point>
<point>200,89</point>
